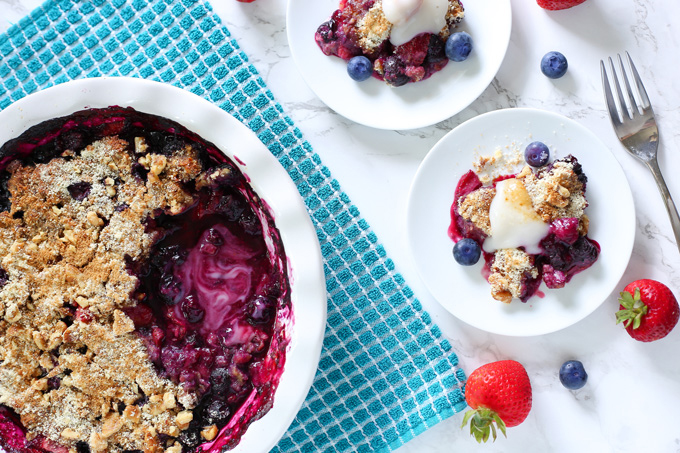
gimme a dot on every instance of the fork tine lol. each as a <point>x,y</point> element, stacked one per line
<point>633,103</point>
<point>609,97</point>
<point>619,93</point>
<point>644,99</point>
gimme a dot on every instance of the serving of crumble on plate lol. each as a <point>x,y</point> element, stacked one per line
<point>372,102</point>
<point>463,290</point>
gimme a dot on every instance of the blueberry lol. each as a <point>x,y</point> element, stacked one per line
<point>572,375</point>
<point>360,68</point>
<point>220,380</point>
<point>217,411</point>
<point>192,310</point>
<point>435,49</point>
<point>261,309</point>
<point>190,438</point>
<point>554,65</point>
<point>458,46</point>
<point>537,154</point>
<point>394,72</point>
<point>467,252</point>
<point>79,190</point>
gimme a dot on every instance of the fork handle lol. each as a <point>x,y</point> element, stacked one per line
<point>668,201</point>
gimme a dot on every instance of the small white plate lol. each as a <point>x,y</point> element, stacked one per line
<point>463,291</point>
<point>268,179</point>
<point>372,102</point>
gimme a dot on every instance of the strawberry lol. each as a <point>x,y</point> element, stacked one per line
<point>500,393</point>
<point>648,310</point>
<point>554,5</point>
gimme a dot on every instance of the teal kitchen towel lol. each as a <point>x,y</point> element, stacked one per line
<point>386,373</point>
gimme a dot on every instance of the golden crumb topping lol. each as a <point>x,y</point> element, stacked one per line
<point>373,29</point>
<point>508,271</point>
<point>70,365</point>
<point>475,208</point>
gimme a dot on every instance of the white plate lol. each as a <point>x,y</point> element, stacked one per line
<point>269,180</point>
<point>372,102</point>
<point>462,290</point>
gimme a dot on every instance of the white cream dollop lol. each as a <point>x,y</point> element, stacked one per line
<point>514,222</point>
<point>410,18</point>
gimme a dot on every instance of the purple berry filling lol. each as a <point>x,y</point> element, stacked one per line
<point>413,61</point>
<point>214,295</point>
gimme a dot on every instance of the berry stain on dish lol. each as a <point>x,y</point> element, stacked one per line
<point>404,40</point>
<point>144,289</point>
<point>531,225</point>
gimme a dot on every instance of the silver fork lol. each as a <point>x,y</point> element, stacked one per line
<point>636,128</point>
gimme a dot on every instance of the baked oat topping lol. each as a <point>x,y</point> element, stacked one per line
<point>84,361</point>
<point>64,247</point>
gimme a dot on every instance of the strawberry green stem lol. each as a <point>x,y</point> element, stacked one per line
<point>633,309</point>
<point>483,423</point>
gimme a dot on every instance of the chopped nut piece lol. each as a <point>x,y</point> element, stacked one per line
<point>98,443</point>
<point>94,219</point>
<point>183,419</point>
<point>12,314</point>
<point>169,401</point>
<point>68,433</point>
<point>158,163</point>
<point>140,145</point>
<point>176,448</point>
<point>40,385</point>
<point>209,432</point>
<point>70,236</point>
<point>82,301</point>
<point>112,424</point>
<point>39,340</point>
<point>132,414</point>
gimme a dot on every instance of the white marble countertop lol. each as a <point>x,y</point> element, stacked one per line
<point>631,402</point>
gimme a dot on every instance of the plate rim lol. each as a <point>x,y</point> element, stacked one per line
<point>407,121</point>
<point>305,268</point>
<point>629,232</point>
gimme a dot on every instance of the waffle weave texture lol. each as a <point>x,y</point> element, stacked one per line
<point>386,373</point>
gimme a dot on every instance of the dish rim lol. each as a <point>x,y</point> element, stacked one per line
<point>268,179</point>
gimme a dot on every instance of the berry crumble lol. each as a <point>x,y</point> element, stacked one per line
<point>144,295</point>
<point>531,225</point>
<point>403,51</point>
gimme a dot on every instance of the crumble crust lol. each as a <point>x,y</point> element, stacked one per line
<point>64,334</point>
<point>374,29</point>
<point>508,269</point>
<point>475,208</point>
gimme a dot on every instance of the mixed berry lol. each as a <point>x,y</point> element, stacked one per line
<point>212,299</point>
<point>359,28</point>
<point>555,194</point>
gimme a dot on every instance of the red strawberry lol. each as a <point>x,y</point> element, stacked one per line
<point>500,393</point>
<point>558,4</point>
<point>648,310</point>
